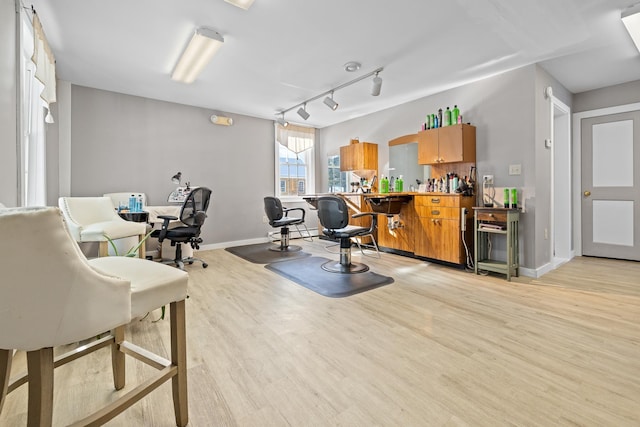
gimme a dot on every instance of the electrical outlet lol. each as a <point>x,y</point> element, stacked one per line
<point>487,179</point>
<point>515,169</point>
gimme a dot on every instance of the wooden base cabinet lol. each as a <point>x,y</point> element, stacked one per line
<point>401,234</point>
<point>439,227</point>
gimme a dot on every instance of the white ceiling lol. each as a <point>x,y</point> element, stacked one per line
<point>282,52</point>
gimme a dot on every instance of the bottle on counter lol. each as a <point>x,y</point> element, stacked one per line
<point>506,198</point>
<point>384,184</point>
<point>132,203</point>
<point>140,203</point>
<point>439,117</point>
<point>514,198</point>
<point>399,184</point>
<point>392,184</point>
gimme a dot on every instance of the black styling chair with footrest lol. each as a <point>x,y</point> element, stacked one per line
<point>192,216</point>
<point>334,217</point>
<point>279,218</point>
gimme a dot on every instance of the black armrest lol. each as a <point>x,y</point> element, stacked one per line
<point>374,218</point>
<point>294,209</point>
<point>165,225</point>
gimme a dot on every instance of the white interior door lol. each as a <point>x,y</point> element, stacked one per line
<point>611,186</point>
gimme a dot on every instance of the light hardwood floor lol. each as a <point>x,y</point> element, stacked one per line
<point>439,347</point>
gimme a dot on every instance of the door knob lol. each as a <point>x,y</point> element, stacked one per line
<point>587,193</point>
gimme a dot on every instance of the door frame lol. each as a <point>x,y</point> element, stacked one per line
<point>561,140</point>
<point>577,162</point>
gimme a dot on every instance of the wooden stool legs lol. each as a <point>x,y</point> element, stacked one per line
<point>179,359</point>
<point>40,368</point>
<point>6,356</point>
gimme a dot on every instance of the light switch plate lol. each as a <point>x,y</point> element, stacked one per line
<point>515,169</point>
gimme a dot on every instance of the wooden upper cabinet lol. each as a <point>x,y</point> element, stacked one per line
<point>360,156</point>
<point>449,144</point>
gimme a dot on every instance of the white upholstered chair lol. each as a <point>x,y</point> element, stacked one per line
<point>67,299</point>
<point>90,219</point>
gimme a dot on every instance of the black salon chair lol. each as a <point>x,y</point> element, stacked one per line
<point>279,218</point>
<point>334,217</point>
<point>192,216</point>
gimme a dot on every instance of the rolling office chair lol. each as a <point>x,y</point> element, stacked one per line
<point>67,299</point>
<point>192,215</point>
<point>334,217</point>
<point>278,217</point>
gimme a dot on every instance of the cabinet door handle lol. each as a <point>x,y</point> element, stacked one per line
<point>435,212</point>
<point>435,200</point>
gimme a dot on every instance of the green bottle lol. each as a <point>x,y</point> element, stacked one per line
<point>514,198</point>
<point>506,198</point>
<point>454,115</point>
<point>447,117</point>
<point>384,185</point>
<point>399,184</point>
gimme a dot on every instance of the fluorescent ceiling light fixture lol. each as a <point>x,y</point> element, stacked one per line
<point>242,4</point>
<point>203,45</point>
<point>631,20</point>
<point>302,112</point>
<point>329,102</point>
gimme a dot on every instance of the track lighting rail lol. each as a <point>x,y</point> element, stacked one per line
<point>330,91</point>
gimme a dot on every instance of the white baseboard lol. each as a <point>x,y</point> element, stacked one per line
<point>210,246</point>
<point>230,244</point>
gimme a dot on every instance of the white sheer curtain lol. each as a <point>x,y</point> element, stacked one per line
<point>37,92</point>
<point>295,161</point>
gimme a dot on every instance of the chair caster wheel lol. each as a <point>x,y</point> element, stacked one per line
<point>190,262</point>
<point>205,265</point>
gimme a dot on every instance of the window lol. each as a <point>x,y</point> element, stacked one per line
<point>295,156</point>
<point>337,179</point>
<point>32,144</point>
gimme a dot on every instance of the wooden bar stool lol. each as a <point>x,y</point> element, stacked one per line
<point>52,295</point>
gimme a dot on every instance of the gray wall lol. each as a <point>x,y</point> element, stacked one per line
<point>127,143</point>
<point>539,187</point>
<point>622,94</point>
<point>505,111</point>
<point>8,154</point>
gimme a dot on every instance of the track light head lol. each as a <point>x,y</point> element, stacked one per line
<point>377,85</point>
<point>329,102</point>
<point>302,112</point>
<point>282,122</point>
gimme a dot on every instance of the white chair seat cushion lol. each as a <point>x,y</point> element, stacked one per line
<point>114,229</point>
<point>152,284</point>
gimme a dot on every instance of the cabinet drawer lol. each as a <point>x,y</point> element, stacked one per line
<point>492,216</point>
<point>438,212</point>
<point>437,200</point>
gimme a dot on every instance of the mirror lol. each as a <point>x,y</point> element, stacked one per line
<point>403,160</point>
